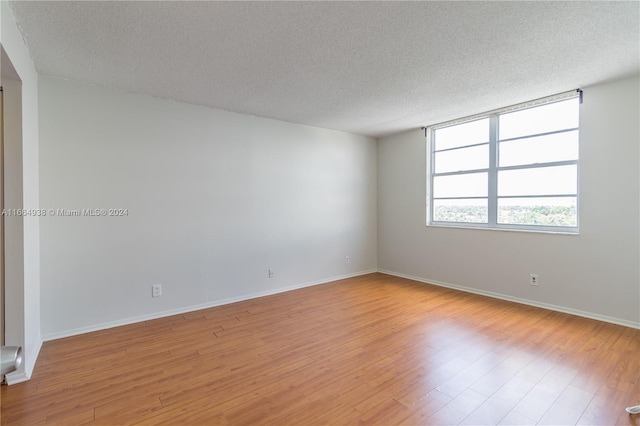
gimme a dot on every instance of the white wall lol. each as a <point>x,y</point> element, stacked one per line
<point>594,274</point>
<point>23,289</point>
<point>214,200</point>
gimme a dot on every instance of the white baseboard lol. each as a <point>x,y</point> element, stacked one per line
<point>16,377</point>
<point>182,310</point>
<point>563,309</point>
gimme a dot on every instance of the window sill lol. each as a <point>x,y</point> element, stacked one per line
<point>486,228</point>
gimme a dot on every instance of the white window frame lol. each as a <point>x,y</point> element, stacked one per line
<point>493,169</point>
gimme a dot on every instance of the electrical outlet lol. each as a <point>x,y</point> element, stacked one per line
<point>347,259</point>
<point>533,279</point>
<point>272,273</point>
<point>156,290</point>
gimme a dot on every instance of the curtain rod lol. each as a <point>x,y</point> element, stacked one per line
<point>546,99</point>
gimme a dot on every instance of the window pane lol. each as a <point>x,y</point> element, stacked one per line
<point>542,149</point>
<point>468,211</point>
<point>539,181</point>
<point>473,158</point>
<point>556,211</point>
<point>470,133</point>
<point>467,185</point>
<point>546,118</point>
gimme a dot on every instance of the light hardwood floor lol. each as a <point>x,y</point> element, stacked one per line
<point>374,349</point>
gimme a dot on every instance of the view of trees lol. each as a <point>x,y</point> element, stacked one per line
<point>522,215</point>
<point>468,214</point>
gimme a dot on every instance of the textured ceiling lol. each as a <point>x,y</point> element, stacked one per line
<point>373,68</point>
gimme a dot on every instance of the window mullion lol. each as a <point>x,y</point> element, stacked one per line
<point>493,173</point>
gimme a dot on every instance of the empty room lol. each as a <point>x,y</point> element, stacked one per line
<point>320,213</point>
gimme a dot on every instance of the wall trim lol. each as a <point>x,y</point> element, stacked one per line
<point>16,377</point>
<point>183,310</point>
<point>563,309</point>
<point>30,361</point>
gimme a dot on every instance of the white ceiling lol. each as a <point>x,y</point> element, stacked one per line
<point>373,68</point>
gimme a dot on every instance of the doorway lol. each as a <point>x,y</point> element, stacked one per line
<point>12,271</point>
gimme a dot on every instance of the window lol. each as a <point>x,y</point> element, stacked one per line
<point>513,168</point>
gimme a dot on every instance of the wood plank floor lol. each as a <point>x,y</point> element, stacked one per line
<point>374,349</point>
